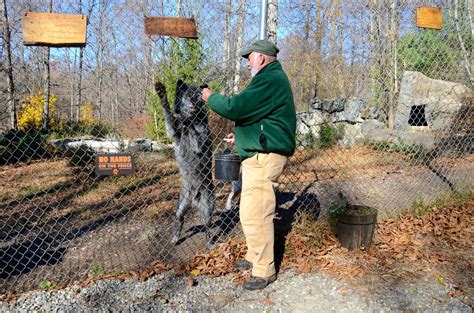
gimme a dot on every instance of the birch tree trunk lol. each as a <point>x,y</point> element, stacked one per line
<point>99,58</point>
<point>180,8</point>
<point>79,74</point>
<point>227,45</point>
<point>9,68</point>
<point>394,70</point>
<point>228,17</point>
<point>240,40</point>
<point>47,79</point>
<point>150,77</point>
<point>272,20</point>
<point>466,54</point>
<point>163,43</point>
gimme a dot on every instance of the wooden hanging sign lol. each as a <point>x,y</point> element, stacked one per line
<point>54,29</point>
<point>171,26</point>
<point>429,17</point>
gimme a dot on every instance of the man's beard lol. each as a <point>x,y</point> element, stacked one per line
<point>254,71</point>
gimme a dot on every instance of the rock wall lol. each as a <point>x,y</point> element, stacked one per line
<point>429,102</point>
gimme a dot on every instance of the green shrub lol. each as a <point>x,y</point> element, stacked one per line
<point>99,129</point>
<point>23,146</point>
<point>309,139</point>
<point>80,156</point>
<point>329,135</point>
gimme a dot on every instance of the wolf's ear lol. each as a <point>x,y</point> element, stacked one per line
<point>179,84</point>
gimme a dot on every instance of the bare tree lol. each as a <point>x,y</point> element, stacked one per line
<point>465,53</point>
<point>393,40</point>
<point>240,39</point>
<point>227,43</point>
<point>100,54</point>
<point>228,18</point>
<point>384,36</point>
<point>272,20</point>
<point>179,8</point>
<point>150,77</point>
<point>322,10</point>
<point>308,7</point>
<point>47,78</point>
<point>81,64</point>
<point>9,67</point>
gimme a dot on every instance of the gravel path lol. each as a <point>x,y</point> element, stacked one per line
<point>292,292</point>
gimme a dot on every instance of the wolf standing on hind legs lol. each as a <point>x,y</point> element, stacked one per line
<point>188,126</point>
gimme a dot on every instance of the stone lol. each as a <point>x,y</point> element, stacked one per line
<point>352,135</point>
<point>329,106</point>
<point>371,111</point>
<point>426,140</point>
<point>351,112</point>
<point>382,135</point>
<point>370,124</point>
<point>306,122</point>
<point>441,100</point>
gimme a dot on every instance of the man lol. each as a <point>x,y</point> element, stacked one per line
<point>265,124</point>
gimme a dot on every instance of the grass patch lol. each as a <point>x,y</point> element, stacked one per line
<point>96,270</point>
<point>307,232</point>
<point>45,284</point>
<point>417,153</point>
<point>420,207</point>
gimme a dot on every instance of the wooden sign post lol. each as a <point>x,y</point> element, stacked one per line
<point>429,17</point>
<point>54,29</point>
<point>171,26</point>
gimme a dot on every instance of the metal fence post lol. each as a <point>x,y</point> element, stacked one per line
<point>263,20</point>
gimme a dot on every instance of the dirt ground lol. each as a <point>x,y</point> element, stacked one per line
<point>61,224</point>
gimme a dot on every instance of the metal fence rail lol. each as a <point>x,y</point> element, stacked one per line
<point>385,118</point>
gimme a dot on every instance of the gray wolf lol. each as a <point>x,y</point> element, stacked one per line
<point>188,126</point>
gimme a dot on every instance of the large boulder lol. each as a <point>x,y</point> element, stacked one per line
<point>384,136</point>
<point>370,124</point>
<point>440,101</point>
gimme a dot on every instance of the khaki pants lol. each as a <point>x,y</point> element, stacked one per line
<point>257,209</point>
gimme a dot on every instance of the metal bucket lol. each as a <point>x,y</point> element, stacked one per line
<point>227,166</point>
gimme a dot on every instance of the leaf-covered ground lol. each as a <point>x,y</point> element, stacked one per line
<point>440,242</point>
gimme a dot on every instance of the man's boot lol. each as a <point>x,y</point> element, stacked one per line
<point>257,283</point>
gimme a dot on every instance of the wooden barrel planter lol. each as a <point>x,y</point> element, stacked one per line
<point>355,228</point>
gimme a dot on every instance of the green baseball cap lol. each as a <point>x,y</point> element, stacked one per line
<point>263,46</point>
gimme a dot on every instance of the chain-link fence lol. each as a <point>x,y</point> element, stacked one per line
<point>385,118</point>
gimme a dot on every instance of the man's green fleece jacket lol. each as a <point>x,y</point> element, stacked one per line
<point>264,113</point>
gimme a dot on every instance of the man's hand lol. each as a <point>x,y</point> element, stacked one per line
<point>230,138</point>
<point>205,93</point>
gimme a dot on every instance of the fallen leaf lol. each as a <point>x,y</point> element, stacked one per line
<point>267,302</point>
<point>195,272</point>
<point>191,282</point>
